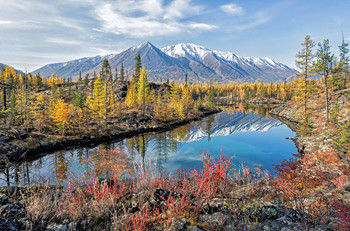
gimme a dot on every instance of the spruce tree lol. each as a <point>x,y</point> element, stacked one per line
<point>323,65</point>
<point>79,77</point>
<point>137,67</point>
<point>86,80</point>
<point>79,101</point>
<point>344,60</point>
<point>116,73</point>
<point>122,74</point>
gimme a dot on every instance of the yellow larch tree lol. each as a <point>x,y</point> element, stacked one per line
<point>60,115</point>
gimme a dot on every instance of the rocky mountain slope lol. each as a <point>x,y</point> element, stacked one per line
<point>201,64</point>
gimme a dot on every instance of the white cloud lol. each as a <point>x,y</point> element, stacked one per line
<point>253,21</point>
<point>63,41</point>
<point>4,22</point>
<point>143,19</point>
<point>232,9</point>
<point>178,9</point>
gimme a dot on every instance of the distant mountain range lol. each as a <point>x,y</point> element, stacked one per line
<point>226,124</point>
<point>200,63</point>
<point>4,65</point>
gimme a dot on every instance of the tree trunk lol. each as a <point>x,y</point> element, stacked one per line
<point>106,103</point>
<point>4,91</point>
<point>144,98</point>
<point>326,94</point>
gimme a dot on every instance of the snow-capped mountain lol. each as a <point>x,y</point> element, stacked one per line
<point>227,65</point>
<point>172,62</point>
<point>226,124</point>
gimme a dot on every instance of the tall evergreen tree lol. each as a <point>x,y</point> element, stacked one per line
<point>344,60</point>
<point>116,73</point>
<point>86,80</point>
<point>137,67</point>
<point>323,65</point>
<point>79,101</point>
<point>122,74</point>
<point>79,77</point>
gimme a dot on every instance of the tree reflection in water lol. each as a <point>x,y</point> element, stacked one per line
<point>112,163</point>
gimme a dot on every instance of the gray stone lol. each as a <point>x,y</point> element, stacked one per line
<point>216,219</point>
<point>56,227</point>
<point>285,229</point>
<point>193,228</point>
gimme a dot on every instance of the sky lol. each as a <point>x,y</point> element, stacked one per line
<point>38,32</point>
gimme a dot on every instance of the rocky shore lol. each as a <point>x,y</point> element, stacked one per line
<point>216,214</point>
<point>314,142</point>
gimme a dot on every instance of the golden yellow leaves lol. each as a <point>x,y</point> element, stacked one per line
<point>60,115</point>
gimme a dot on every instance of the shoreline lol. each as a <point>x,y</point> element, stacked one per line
<point>42,146</point>
<point>284,112</point>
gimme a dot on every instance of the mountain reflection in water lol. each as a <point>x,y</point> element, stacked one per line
<point>249,135</point>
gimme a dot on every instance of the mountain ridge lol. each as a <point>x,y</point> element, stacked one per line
<point>200,63</point>
<point>226,124</point>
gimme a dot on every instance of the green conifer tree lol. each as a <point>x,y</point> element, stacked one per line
<point>79,100</point>
<point>137,68</point>
<point>323,65</point>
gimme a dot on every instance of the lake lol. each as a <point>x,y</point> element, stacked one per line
<point>248,135</point>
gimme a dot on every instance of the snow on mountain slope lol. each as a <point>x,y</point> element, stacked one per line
<point>199,52</point>
<point>226,124</point>
<point>186,50</point>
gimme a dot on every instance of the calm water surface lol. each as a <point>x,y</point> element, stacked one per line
<point>249,137</point>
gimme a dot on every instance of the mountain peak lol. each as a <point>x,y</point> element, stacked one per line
<point>146,44</point>
<point>186,49</point>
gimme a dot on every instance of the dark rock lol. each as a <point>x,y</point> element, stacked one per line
<point>161,195</point>
<point>12,210</point>
<point>178,225</point>
<point>4,200</point>
<point>7,225</point>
